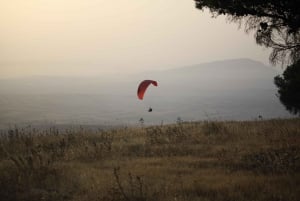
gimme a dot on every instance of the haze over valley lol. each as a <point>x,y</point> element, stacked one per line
<point>240,89</point>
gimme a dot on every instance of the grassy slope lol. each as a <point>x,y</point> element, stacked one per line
<point>258,160</point>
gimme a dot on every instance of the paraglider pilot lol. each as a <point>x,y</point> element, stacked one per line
<point>142,88</point>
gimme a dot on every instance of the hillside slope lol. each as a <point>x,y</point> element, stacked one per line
<point>232,89</point>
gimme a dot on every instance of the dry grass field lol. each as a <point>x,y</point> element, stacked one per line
<point>208,160</point>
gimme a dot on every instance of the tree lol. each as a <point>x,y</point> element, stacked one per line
<point>289,88</point>
<point>276,23</point>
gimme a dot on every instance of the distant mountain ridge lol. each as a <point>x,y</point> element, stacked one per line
<point>214,70</point>
<point>238,89</point>
<point>242,62</point>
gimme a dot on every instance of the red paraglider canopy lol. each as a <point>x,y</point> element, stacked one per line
<point>143,86</point>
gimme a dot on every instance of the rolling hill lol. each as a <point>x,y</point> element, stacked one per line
<point>239,89</point>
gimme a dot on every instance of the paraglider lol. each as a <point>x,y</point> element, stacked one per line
<point>142,89</point>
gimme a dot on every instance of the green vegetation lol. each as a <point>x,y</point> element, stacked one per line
<point>217,161</point>
<point>276,23</point>
<point>289,88</point>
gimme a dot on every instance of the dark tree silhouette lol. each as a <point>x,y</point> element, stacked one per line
<point>276,23</point>
<point>289,88</point>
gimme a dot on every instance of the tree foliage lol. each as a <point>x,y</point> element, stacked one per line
<point>289,88</point>
<point>276,23</point>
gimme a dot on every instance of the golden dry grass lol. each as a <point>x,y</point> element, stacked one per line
<point>209,160</point>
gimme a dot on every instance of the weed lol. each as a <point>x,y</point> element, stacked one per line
<point>186,161</point>
<point>271,161</point>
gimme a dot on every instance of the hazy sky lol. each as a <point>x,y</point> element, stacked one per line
<point>90,37</point>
